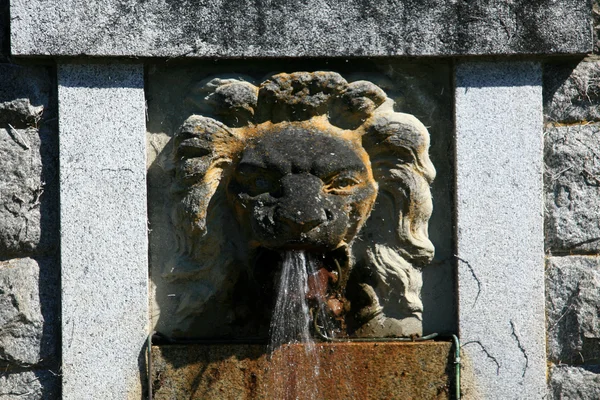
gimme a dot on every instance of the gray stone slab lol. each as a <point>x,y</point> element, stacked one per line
<point>572,159</point>
<point>28,161</point>
<point>572,304</point>
<point>103,230</point>
<point>225,28</point>
<point>500,237</point>
<point>574,383</point>
<point>572,91</point>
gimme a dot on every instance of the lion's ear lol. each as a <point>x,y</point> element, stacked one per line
<point>231,99</point>
<point>203,149</point>
<point>398,146</point>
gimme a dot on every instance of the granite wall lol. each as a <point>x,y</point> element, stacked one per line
<point>29,230</point>
<point>29,268</point>
<point>572,224</point>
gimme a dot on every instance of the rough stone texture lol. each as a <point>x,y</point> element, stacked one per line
<point>103,229</point>
<point>574,383</point>
<point>500,242</point>
<point>28,320</point>
<point>596,23</point>
<point>176,28</point>
<point>30,385</point>
<point>573,309</point>
<point>572,180</point>
<point>29,288</point>
<point>346,371</point>
<point>28,161</point>
<point>572,91</point>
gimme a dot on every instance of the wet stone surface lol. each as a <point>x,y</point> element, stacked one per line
<point>347,371</point>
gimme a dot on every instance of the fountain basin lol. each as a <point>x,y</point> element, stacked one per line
<point>354,370</point>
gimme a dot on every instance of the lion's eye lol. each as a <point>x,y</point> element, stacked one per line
<point>341,184</point>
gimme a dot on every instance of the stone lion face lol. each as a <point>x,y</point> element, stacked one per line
<point>300,187</point>
<point>298,163</point>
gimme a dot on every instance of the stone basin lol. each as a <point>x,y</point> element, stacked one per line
<point>349,370</point>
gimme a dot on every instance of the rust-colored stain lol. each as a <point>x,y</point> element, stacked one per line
<point>362,371</point>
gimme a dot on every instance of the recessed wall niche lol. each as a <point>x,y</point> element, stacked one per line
<point>213,274</point>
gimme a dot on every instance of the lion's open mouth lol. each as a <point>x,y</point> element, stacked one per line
<point>327,272</point>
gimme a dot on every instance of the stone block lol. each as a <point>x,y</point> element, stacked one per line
<point>345,371</point>
<point>572,91</point>
<point>500,237</point>
<point>573,304</point>
<point>312,28</point>
<point>28,161</point>
<point>30,385</point>
<point>574,383</point>
<point>28,317</point>
<point>104,243</point>
<point>572,181</point>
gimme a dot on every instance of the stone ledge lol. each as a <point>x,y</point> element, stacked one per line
<point>347,370</point>
<point>312,28</point>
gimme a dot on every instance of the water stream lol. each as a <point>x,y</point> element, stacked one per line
<point>290,334</point>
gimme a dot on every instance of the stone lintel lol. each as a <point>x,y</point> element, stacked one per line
<point>500,236</point>
<point>313,28</point>
<point>103,229</point>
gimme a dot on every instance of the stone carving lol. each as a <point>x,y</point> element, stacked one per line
<point>302,161</point>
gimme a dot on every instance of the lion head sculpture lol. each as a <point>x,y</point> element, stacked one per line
<point>302,161</point>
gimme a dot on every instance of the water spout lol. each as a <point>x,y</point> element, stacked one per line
<point>290,326</point>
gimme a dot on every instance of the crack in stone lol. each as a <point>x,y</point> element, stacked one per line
<point>472,271</point>
<point>117,169</point>
<point>487,353</point>
<point>588,241</point>
<point>514,334</point>
<point>17,138</point>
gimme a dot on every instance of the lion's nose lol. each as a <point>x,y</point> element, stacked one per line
<point>302,207</point>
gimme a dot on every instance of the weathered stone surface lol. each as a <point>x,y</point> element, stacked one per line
<point>103,230</point>
<point>572,91</point>
<point>179,28</point>
<point>419,88</point>
<point>596,23</point>
<point>28,315</point>
<point>28,203</point>
<point>344,147</point>
<point>500,238</point>
<point>30,385</point>
<point>574,383</point>
<point>346,371</point>
<point>572,180</point>
<point>573,309</point>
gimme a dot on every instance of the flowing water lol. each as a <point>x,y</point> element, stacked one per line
<point>290,327</point>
